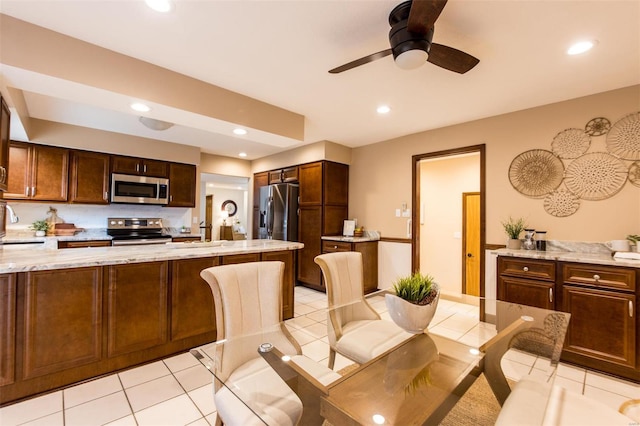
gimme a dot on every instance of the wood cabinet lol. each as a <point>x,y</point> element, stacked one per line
<point>7,328</point>
<point>37,172</point>
<point>527,281</point>
<point>62,320</point>
<point>287,175</point>
<point>182,185</point>
<point>89,178</point>
<point>186,239</point>
<point>259,180</point>
<point>324,204</point>
<point>192,307</point>
<point>139,166</point>
<point>137,295</point>
<point>369,250</point>
<point>603,329</point>
<point>226,232</point>
<point>5,121</point>
<point>83,244</point>
<point>239,258</point>
<point>288,283</point>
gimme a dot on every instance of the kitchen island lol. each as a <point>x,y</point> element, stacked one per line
<point>70,315</point>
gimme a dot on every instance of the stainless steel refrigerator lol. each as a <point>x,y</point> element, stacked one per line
<point>279,212</point>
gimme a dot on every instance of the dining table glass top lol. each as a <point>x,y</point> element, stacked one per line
<point>415,382</point>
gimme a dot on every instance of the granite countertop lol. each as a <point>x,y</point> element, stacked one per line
<point>87,234</point>
<point>595,257</point>
<point>26,257</point>
<point>349,239</point>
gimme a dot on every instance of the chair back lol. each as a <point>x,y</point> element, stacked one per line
<point>248,305</point>
<point>343,277</point>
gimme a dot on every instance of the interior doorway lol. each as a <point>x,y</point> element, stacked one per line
<point>439,230</point>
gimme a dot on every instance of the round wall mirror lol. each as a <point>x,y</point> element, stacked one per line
<point>230,206</point>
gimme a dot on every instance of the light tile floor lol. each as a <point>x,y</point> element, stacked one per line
<point>178,390</point>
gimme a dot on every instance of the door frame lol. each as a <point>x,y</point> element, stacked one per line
<point>415,199</point>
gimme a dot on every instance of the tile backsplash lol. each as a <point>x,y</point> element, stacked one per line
<point>94,216</point>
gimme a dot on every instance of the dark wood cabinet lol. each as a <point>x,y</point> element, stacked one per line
<point>61,320</point>
<point>186,239</point>
<point>89,178</point>
<point>603,330</point>
<point>83,244</point>
<point>137,307</point>
<point>369,250</point>
<point>287,175</point>
<point>37,172</point>
<point>324,205</point>
<point>527,281</point>
<point>192,307</point>
<point>239,258</point>
<point>5,121</point>
<point>259,180</point>
<point>139,166</point>
<point>182,185</point>
<point>7,328</point>
<point>288,283</point>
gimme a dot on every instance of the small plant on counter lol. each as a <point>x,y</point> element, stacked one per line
<point>513,227</point>
<point>419,289</point>
<point>633,238</point>
<point>40,225</point>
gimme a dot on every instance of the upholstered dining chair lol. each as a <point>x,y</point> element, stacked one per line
<point>355,329</point>
<point>247,300</point>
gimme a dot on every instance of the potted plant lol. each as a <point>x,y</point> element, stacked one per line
<point>414,302</point>
<point>41,227</point>
<point>513,228</point>
<point>634,239</point>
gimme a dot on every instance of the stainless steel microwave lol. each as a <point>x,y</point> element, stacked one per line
<point>133,189</point>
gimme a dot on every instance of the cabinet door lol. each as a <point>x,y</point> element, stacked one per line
<point>49,176</point>
<point>240,258</point>
<point>83,244</point>
<point>310,225</point>
<point>192,307</point>
<point>333,220</point>
<point>526,292</point>
<point>369,252</point>
<point>288,283</point>
<point>155,168</point>
<point>336,183</point>
<point>259,180</point>
<point>275,176</point>
<point>7,328</point>
<point>89,178</point>
<point>310,184</point>
<point>5,119</point>
<point>62,320</point>
<point>137,307</point>
<point>602,325</point>
<point>18,182</point>
<point>126,165</point>
<point>182,185</point>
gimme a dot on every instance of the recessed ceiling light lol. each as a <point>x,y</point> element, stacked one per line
<point>140,107</point>
<point>383,109</point>
<point>242,154</point>
<point>580,47</point>
<point>239,131</point>
<point>160,5</point>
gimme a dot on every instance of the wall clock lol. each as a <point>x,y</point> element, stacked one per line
<point>230,206</point>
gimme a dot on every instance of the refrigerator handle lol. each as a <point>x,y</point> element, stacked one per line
<point>270,216</point>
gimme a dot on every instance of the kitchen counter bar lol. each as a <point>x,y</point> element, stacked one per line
<point>14,258</point>
<point>569,256</point>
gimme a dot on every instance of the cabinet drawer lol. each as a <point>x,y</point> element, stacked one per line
<point>83,244</point>
<point>599,276</point>
<point>334,246</point>
<point>527,268</point>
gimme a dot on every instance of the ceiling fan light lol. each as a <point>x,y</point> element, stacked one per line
<point>411,59</point>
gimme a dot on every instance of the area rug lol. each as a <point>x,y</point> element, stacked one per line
<point>477,407</point>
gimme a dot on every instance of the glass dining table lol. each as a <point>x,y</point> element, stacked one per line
<point>418,381</point>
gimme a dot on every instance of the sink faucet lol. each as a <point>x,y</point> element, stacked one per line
<point>12,214</point>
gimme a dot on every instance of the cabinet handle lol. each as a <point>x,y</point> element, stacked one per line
<point>144,168</point>
<point>335,247</point>
<point>27,191</point>
<point>33,191</point>
<point>526,269</point>
<point>170,197</point>
<point>138,167</point>
<point>631,308</point>
<point>551,295</point>
<point>596,277</point>
<point>106,195</point>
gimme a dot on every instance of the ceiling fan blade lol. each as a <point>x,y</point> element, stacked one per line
<point>424,14</point>
<point>361,61</point>
<point>452,59</point>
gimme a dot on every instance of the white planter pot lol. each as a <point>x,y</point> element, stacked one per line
<point>409,316</point>
<point>41,233</point>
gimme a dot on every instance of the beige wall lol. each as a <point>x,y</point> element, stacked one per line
<point>380,174</point>
<point>323,150</point>
<point>442,183</point>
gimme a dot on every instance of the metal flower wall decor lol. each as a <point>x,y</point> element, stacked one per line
<point>591,176</point>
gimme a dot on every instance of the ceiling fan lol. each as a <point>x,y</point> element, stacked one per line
<point>412,27</point>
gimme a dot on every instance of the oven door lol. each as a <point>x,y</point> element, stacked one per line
<point>139,189</point>
<point>140,241</point>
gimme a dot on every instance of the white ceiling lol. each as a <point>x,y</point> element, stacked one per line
<point>279,52</point>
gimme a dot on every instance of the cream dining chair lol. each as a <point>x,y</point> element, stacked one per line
<point>247,300</point>
<point>355,329</point>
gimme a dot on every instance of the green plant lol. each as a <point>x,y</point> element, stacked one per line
<point>40,225</point>
<point>420,289</point>
<point>633,238</point>
<point>513,227</point>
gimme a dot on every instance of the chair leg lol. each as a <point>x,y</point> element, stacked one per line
<point>219,420</point>
<point>332,358</point>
